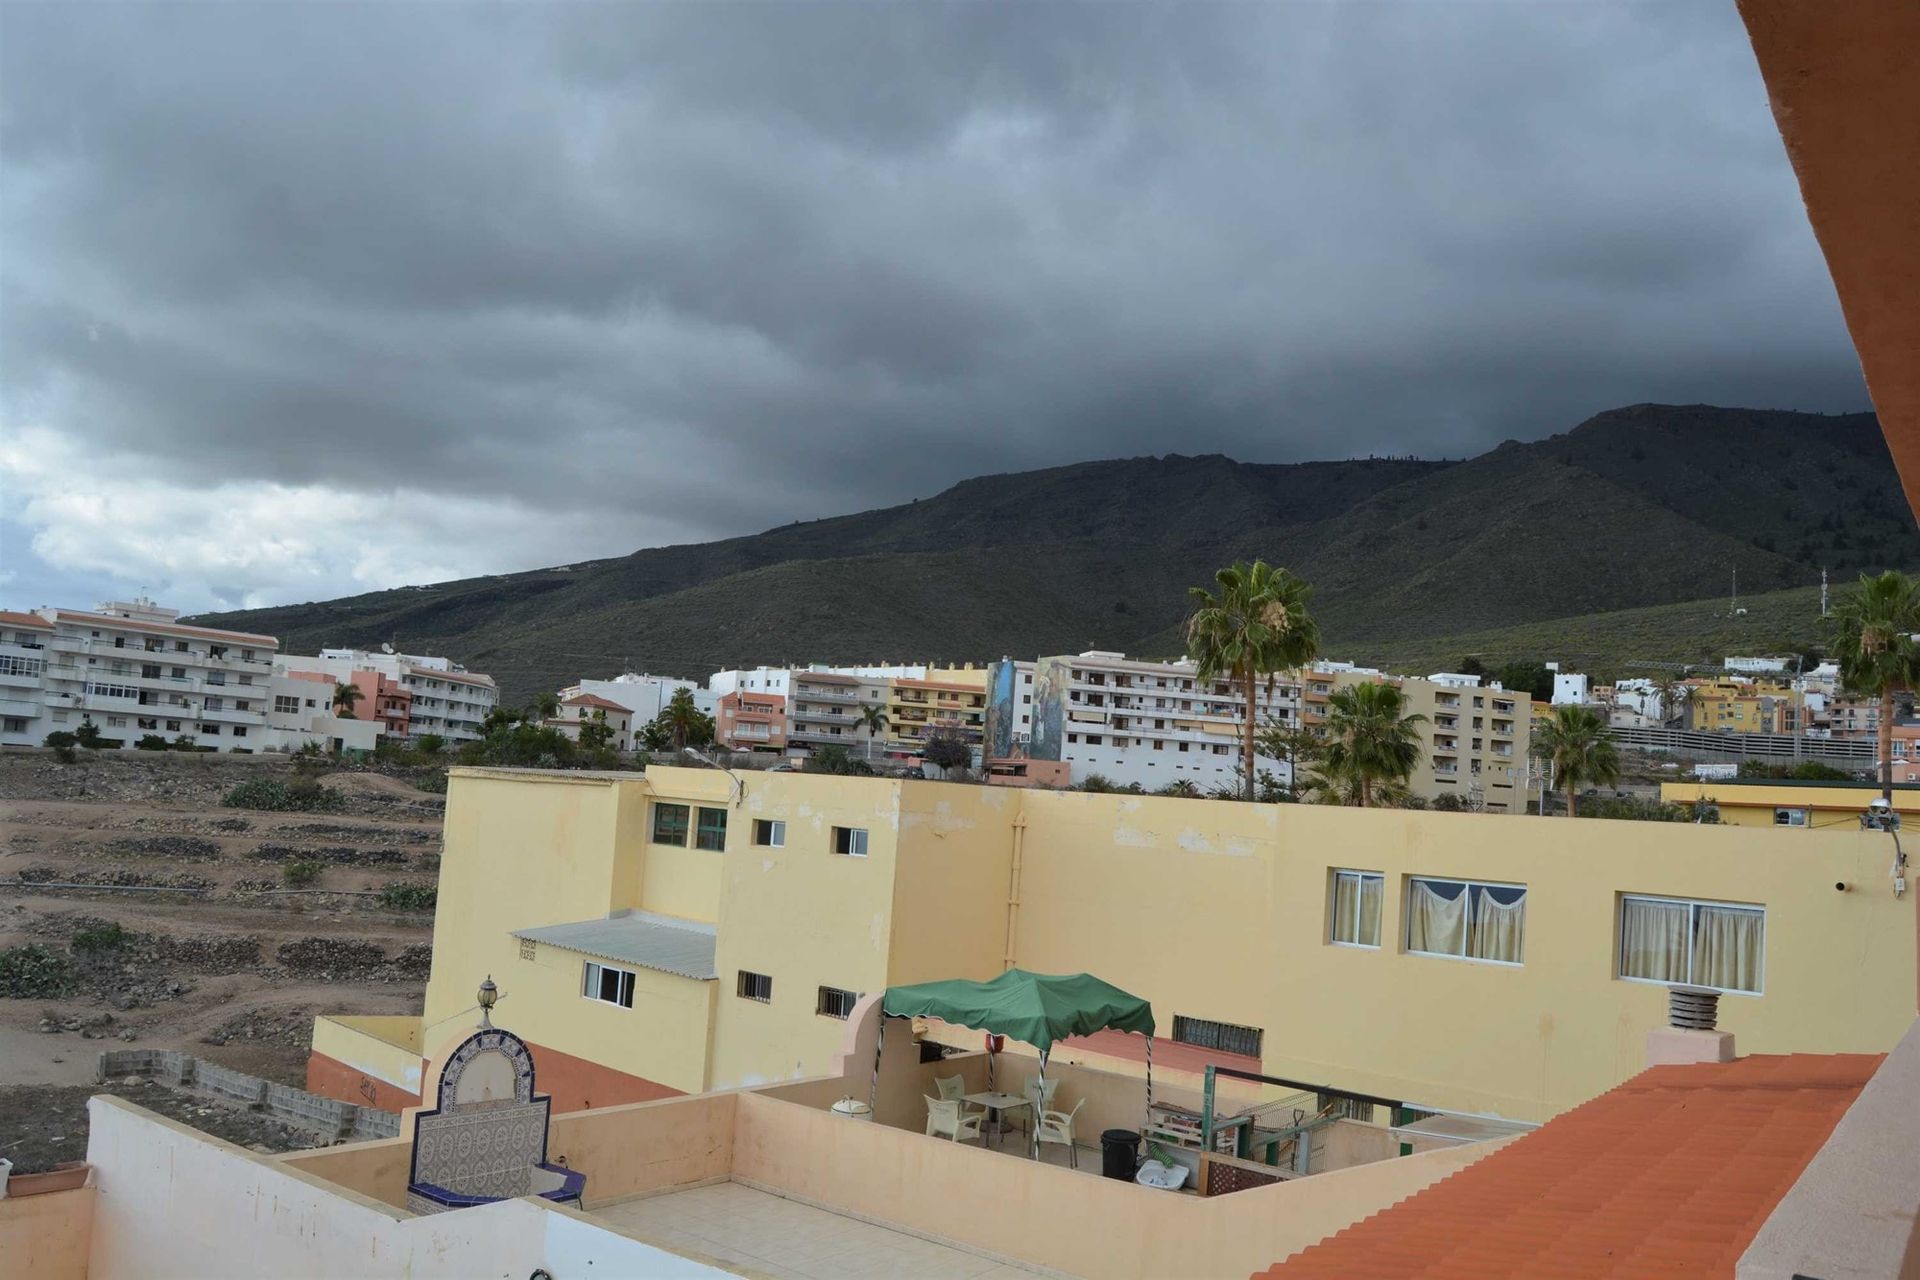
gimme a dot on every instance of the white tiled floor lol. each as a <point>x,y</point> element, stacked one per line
<point>783,1239</point>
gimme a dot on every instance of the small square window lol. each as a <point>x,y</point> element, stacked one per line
<point>606,984</point>
<point>670,824</point>
<point>851,841</point>
<point>755,986</point>
<point>832,1002</point>
<point>769,833</point>
<point>1354,914</point>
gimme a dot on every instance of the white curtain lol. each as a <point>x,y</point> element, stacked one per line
<point>1653,940</point>
<point>1435,923</point>
<point>1370,887</point>
<point>1346,896</point>
<point>1499,929</point>
<point>1727,948</point>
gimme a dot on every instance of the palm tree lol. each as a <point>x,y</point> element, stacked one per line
<point>1294,743</point>
<point>1257,625</point>
<point>545,706</point>
<point>1371,740</point>
<point>1873,629</point>
<point>346,697</point>
<point>682,718</point>
<point>1344,789</point>
<point>872,718</point>
<point>1670,695</point>
<point>1579,745</point>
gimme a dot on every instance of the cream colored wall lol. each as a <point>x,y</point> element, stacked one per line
<point>1830,808</point>
<point>1037,1213</point>
<point>1219,911</point>
<point>677,881</point>
<point>951,882</point>
<point>803,915</point>
<point>662,1038</point>
<point>386,1048</point>
<point>522,848</point>
<point>47,1237</point>
<point>646,1147</point>
<point>378,1169</point>
<point>174,1202</point>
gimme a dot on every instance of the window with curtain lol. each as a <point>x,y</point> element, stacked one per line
<point>1355,916</point>
<point>1467,919</point>
<point>1701,944</point>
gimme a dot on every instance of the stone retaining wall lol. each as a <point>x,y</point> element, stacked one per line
<point>338,1120</point>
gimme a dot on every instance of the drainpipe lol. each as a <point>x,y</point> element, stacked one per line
<point>1013,885</point>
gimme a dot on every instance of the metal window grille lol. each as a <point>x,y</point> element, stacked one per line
<point>755,986</point>
<point>835,1003</point>
<point>1224,1036</point>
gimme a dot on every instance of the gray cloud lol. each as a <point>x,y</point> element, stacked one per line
<point>684,270</point>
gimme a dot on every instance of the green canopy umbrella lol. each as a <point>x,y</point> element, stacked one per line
<point>1036,1008</point>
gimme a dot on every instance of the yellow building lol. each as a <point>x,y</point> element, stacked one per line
<point>1734,707</point>
<point>1790,804</point>
<point>689,929</point>
<point>1476,741</point>
<point>916,708</point>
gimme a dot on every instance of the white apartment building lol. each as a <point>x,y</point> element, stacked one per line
<point>1130,721</point>
<point>448,700</point>
<point>130,668</point>
<point>643,697</point>
<point>1570,689</point>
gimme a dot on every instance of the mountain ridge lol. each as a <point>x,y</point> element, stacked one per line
<point>1635,507</point>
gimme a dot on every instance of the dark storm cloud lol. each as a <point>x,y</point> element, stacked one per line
<point>643,260</point>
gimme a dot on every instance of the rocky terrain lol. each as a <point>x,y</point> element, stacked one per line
<point>138,911</point>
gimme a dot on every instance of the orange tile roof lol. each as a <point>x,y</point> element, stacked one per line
<point>8,618</point>
<point>1670,1173</point>
<point>592,700</point>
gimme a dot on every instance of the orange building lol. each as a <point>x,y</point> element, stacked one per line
<point>751,721</point>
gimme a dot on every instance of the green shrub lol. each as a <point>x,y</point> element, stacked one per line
<point>434,783</point>
<point>302,795</point>
<point>62,743</point>
<point>88,735</point>
<point>107,937</point>
<point>431,743</point>
<point>151,742</point>
<point>34,973</point>
<point>301,874</point>
<point>409,897</point>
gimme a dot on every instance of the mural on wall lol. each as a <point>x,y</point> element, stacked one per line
<point>1050,678</point>
<point>1003,709</point>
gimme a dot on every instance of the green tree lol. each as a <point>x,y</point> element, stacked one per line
<point>1578,744</point>
<point>60,742</point>
<point>946,749</point>
<point>432,743</point>
<point>545,706</point>
<point>596,734</point>
<point>685,724</point>
<point>1529,677</point>
<point>1873,627</point>
<point>872,718</point>
<point>1257,625</point>
<point>835,760</point>
<point>499,719</point>
<point>1181,788</point>
<point>654,736</point>
<point>1673,694</point>
<point>1372,740</point>
<point>345,698</point>
<point>88,735</point>
<point>1296,744</point>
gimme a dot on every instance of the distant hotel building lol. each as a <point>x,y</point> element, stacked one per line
<point>441,696</point>
<point>642,696</point>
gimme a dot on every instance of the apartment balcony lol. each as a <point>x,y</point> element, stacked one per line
<point>816,693</point>
<point>19,708</point>
<point>229,715</point>
<point>117,703</point>
<point>21,680</point>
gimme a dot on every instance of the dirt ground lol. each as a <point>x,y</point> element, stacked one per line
<point>44,1125</point>
<point>222,962</point>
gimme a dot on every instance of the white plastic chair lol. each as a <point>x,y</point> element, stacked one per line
<point>1039,1097</point>
<point>947,1119</point>
<point>1057,1126</point>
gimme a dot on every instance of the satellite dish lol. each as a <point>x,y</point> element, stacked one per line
<point>385,647</point>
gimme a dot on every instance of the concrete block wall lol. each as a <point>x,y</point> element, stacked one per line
<point>181,1070</point>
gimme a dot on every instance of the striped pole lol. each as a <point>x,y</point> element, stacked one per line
<point>879,1043</point>
<point>1149,1123</point>
<point>1034,1143</point>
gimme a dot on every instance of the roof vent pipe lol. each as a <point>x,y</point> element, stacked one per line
<point>1693,1008</point>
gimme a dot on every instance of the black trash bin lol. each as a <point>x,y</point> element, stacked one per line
<point>1119,1154</point>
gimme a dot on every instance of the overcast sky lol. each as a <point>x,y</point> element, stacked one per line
<point>299,301</point>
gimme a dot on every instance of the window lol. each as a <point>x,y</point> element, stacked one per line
<point>1224,1036</point>
<point>851,841</point>
<point>1354,916</point>
<point>1705,944</point>
<point>1466,919</point>
<point>670,824</point>
<point>286,704</point>
<point>713,830</point>
<point>173,726</point>
<point>10,665</point>
<point>755,986</point>
<point>216,704</point>
<point>769,834</point>
<point>14,724</point>
<point>211,730</point>
<point>239,731</point>
<point>607,984</point>
<point>832,1002</point>
<point>1789,817</point>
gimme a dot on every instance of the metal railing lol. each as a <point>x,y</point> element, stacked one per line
<point>1744,746</point>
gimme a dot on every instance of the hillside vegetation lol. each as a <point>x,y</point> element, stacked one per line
<point>1646,506</point>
